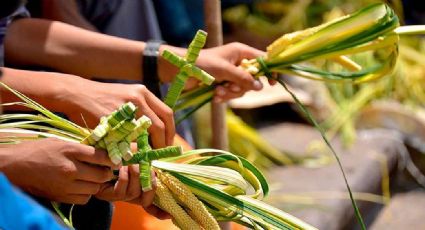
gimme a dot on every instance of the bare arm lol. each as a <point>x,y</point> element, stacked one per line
<point>77,98</point>
<point>44,87</point>
<point>69,49</point>
<point>37,42</point>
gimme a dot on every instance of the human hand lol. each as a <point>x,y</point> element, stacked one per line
<point>94,100</point>
<point>85,101</point>
<point>127,188</point>
<point>57,170</point>
<point>222,63</point>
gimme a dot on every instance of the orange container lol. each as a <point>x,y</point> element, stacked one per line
<point>133,217</point>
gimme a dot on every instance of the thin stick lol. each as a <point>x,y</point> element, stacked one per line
<point>213,26</point>
<point>212,12</point>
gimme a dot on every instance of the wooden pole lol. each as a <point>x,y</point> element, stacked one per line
<point>213,26</point>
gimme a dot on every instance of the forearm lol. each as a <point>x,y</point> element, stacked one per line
<point>49,89</point>
<point>69,49</point>
<point>76,51</point>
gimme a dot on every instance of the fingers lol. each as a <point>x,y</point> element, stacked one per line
<point>165,114</point>
<point>91,155</point>
<point>225,68</point>
<point>133,146</point>
<point>120,189</point>
<point>93,173</point>
<point>223,93</point>
<point>117,191</point>
<point>157,129</point>
<point>240,77</point>
<point>80,187</point>
<point>247,52</point>
<point>272,82</point>
<point>162,129</point>
<point>127,187</point>
<point>148,197</point>
<point>133,189</point>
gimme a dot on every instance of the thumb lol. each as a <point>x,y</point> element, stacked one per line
<point>248,52</point>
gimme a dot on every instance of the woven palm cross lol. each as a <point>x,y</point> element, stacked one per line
<point>187,68</point>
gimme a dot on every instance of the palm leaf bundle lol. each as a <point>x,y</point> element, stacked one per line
<point>196,187</point>
<point>306,53</point>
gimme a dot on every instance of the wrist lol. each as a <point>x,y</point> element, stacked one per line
<point>13,164</point>
<point>47,88</point>
<point>150,66</point>
<point>68,92</point>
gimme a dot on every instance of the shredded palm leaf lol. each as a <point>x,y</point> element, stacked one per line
<point>228,185</point>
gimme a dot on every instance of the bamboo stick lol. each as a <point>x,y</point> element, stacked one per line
<point>213,26</point>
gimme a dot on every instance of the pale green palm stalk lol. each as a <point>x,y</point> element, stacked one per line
<point>220,179</point>
<point>373,28</point>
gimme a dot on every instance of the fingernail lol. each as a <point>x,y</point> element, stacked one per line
<point>221,92</point>
<point>217,100</point>
<point>235,88</point>
<point>257,85</point>
<point>116,167</point>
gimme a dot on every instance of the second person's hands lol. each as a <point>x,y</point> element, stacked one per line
<point>127,188</point>
<point>57,170</point>
<point>90,100</point>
